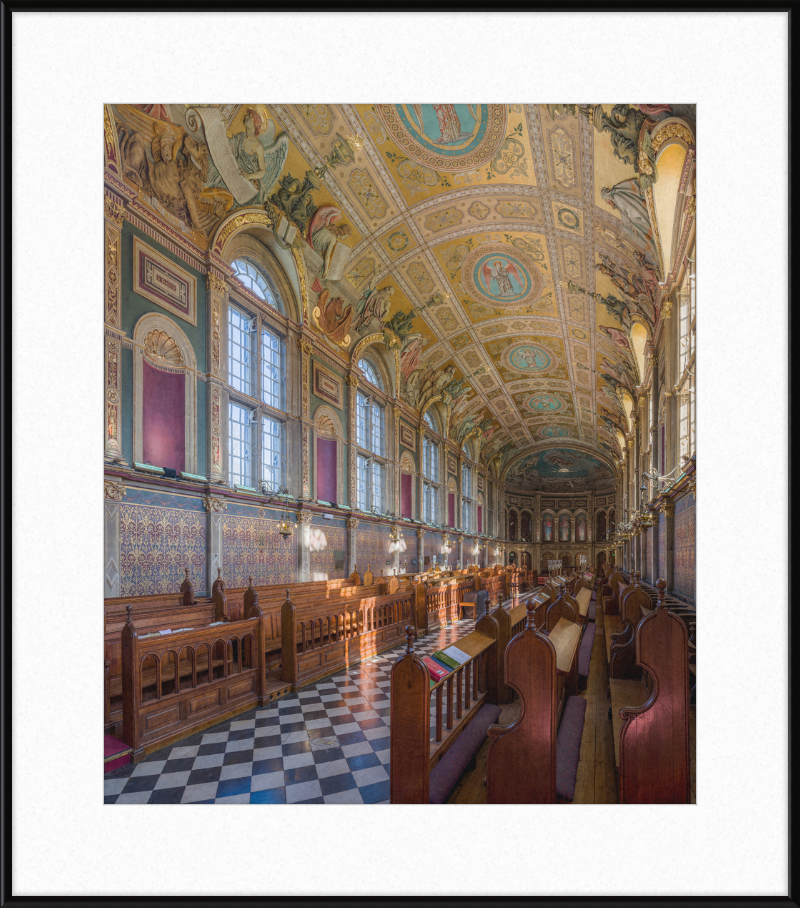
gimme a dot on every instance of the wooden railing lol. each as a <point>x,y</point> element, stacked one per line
<point>323,644</point>
<point>178,683</point>
<point>427,718</point>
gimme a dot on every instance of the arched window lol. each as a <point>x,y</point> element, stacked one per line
<point>370,373</point>
<point>466,498</point>
<point>430,485</point>
<point>687,324</point>
<point>429,420</point>
<point>252,277</point>
<point>371,440</point>
<point>257,388</point>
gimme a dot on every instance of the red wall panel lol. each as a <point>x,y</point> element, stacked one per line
<point>405,495</point>
<point>326,469</point>
<point>163,418</point>
<point>451,509</point>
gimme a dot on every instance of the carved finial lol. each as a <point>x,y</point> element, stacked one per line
<point>249,581</point>
<point>368,570</point>
<point>409,635</point>
<point>219,573</point>
<point>661,585</point>
<point>530,624</point>
<point>129,609</point>
<point>187,573</point>
<point>287,593</point>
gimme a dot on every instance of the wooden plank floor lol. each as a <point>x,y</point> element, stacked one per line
<point>596,781</point>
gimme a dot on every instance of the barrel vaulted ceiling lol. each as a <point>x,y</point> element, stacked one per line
<point>513,254</point>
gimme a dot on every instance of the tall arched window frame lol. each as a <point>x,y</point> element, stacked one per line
<point>257,407</point>
<point>371,466</point>
<point>431,473</point>
<point>466,497</point>
<point>687,385</point>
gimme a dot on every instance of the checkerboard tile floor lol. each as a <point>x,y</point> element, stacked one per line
<point>326,744</point>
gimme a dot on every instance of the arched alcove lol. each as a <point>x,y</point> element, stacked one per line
<point>164,394</point>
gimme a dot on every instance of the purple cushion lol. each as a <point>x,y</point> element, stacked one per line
<point>591,612</point>
<point>452,765</point>
<point>568,747</point>
<point>585,651</point>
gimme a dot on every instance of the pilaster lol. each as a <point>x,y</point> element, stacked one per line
<point>352,546</point>
<point>217,296</point>
<point>304,545</point>
<point>112,237</point>
<point>113,492</point>
<point>420,550</point>
<point>305,347</point>
<point>216,508</point>
<point>352,384</point>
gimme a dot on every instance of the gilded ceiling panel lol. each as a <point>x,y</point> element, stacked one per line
<point>525,229</point>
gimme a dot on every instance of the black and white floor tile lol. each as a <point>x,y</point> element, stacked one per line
<point>326,744</point>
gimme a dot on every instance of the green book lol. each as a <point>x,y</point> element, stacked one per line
<point>448,660</point>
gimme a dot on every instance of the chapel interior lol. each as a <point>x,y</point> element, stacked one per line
<point>399,453</point>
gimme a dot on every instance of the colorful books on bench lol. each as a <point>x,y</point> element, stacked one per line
<point>436,670</point>
<point>455,653</point>
<point>452,657</point>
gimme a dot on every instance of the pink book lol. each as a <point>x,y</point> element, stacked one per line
<point>434,669</point>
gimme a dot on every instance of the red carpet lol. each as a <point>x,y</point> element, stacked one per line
<point>112,747</point>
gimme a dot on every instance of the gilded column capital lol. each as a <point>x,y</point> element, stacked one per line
<point>420,534</point>
<point>666,309</point>
<point>304,346</point>
<point>215,504</point>
<point>113,491</point>
<point>113,211</point>
<point>216,283</point>
<point>305,517</point>
<point>351,380</point>
<point>352,523</point>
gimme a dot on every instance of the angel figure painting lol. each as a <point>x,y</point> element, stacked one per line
<point>499,278</point>
<point>373,307</point>
<point>259,154</point>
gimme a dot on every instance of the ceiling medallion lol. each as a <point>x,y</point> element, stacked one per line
<point>446,137</point>
<point>503,276</point>
<point>545,403</point>
<point>554,432</point>
<point>528,358</point>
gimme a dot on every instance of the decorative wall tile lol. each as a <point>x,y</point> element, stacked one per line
<point>252,547</point>
<point>328,549</point>
<point>372,548</point>
<point>156,545</point>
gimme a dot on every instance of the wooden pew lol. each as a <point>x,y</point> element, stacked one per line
<point>524,757</point>
<point>183,682</point>
<point>177,610</point>
<point>328,641</point>
<point>431,743</point>
<point>650,717</point>
<point>621,640</point>
<point>610,594</point>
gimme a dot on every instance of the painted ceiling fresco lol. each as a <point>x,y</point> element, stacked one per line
<point>504,251</point>
<point>560,470</point>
